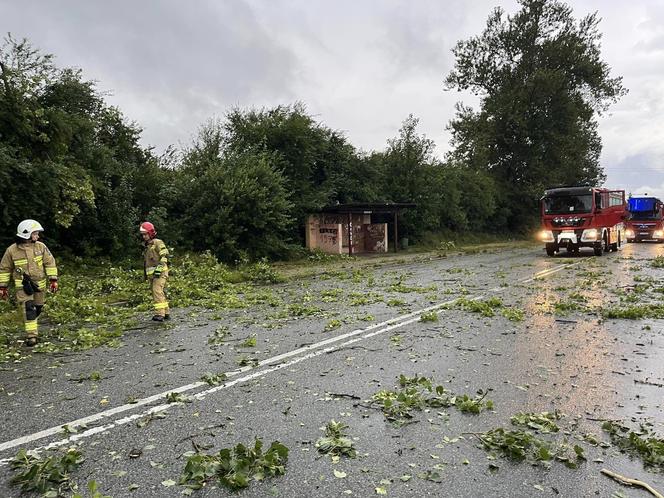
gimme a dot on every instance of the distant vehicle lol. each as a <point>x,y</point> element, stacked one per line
<point>644,219</point>
<point>575,217</point>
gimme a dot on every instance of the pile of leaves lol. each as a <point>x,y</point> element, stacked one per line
<point>643,443</point>
<point>419,393</point>
<point>484,307</point>
<point>336,442</point>
<point>527,445</point>
<point>635,312</point>
<point>235,467</point>
<point>542,423</point>
<point>48,476</point>
<point>519,445</point>
<point>658,262</point>
<point>430,316</point>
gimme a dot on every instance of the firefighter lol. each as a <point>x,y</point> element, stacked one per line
<point>30,264</point>
<point>156,269</point>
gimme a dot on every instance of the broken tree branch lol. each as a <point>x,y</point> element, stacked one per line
<point>648,383</point>
<point>632,482</point>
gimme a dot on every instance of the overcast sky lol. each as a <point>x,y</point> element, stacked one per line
<point>360,66</point>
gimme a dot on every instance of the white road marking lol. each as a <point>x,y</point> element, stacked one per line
<point>356,335</point>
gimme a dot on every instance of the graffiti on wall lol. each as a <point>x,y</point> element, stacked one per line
<point>328,238</point>
<point>375,237</point>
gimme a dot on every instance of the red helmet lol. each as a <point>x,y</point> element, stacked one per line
<point>147,227</point>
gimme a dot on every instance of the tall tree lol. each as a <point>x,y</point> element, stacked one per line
<point>310,155</point>
<point>68,159</point>
<point>233,203</point>
<point>542,84</point>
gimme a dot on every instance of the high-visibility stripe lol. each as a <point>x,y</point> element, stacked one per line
<point>20,262</point>
<point>41,284</point>
<point>30,325</point>
<point>52,271</point>
<point>163,251</point>
<point>39,260</point>
<point>18,283</point>
<point>160,306</point>
<point>4,277</point>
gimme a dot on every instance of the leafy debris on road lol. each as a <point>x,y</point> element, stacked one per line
<point>143,422</point>
<point>336,442</point>
<point>645,444</point>
<point>485,307</point>
<point>235,467</point>
<point>175,397</point>
<point>519,445</point>
<point>543,422</point>
<point>419,393</point>
<point>430,316</point>
<point>48,476</point>
<point>214,379</point>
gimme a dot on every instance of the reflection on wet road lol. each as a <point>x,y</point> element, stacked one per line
<point>535,332</point>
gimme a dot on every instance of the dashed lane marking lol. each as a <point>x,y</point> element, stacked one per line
<point>277,362</point>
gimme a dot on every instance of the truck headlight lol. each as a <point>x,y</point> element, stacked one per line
<point>589,235</point>
<point>629,233</point>
<point>546,236</point>
<point>658,233</point>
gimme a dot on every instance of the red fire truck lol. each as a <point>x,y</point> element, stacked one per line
<point>575,217</point>
<point>644,219</point>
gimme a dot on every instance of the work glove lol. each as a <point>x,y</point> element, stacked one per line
<point>157,271</point>
<point>4,294</point>
<point>53,286</point>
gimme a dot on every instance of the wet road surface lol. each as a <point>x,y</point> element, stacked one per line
<point>334,341</point>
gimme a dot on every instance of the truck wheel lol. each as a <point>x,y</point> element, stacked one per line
<point>607,246</point>
<point>598,249</point>
<point>550,250</point>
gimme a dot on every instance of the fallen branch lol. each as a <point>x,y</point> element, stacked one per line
<point>631,482</point>
<point>342,395</point>
<point>637,381</point>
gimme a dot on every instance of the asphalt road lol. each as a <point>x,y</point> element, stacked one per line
<point>345,336</point>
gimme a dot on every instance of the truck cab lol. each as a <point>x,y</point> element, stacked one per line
<point>582,216</point>
<point>644,219</point>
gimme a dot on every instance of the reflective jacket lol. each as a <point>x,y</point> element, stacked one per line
<point>31,258</point>
<point>156,256</point>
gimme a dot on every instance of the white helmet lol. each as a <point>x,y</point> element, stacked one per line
<point>26,227</point>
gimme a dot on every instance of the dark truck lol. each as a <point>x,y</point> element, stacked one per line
<point>644,219</point>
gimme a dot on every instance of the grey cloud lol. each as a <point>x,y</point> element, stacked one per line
<point>360,66</point>
<point>195,58</point>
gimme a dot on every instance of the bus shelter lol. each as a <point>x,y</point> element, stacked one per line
<point>355,228</point>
